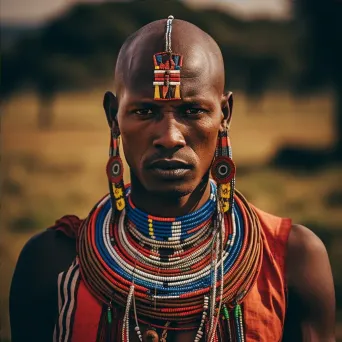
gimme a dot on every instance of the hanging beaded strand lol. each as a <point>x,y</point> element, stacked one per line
<point>219,270</point>
<point>238,316</point>
<point>168,34</point>
<point>137,326</point>
<point>115,171</point>
<point>212,329</point>
<point>223,172</point>
<point>226,199</point>
<point>226,317</point>
<point>125,323</point>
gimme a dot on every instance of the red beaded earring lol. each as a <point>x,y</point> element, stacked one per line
<point>223,171</point>
<point>115,170</point>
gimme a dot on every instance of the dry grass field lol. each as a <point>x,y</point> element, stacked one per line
<point>46,174</point>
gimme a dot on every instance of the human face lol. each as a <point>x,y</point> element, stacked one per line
<point>170,145</point>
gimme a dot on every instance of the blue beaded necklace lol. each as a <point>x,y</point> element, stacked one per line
<point>163,229</point>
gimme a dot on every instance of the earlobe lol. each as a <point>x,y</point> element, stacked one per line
<point>110,105</point>
<point>227,108</point>
<point>230,103</point>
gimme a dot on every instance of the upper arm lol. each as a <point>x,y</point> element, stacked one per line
<point>309,279</point>
<point>33,292</point>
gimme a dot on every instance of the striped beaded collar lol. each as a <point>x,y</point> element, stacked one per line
<point>171,228</point>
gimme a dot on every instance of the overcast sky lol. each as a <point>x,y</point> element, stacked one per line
<point>38,11</point>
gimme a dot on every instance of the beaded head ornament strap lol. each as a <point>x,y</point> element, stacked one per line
<point>167,66</point>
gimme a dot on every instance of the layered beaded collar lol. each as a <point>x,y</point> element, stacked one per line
<point>172,269</point>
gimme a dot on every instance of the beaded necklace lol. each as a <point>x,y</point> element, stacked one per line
<point>168,229</point>
<point>198,266</point>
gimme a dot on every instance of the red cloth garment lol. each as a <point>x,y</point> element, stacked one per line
<point>69,225</point>
<point>265,305</point>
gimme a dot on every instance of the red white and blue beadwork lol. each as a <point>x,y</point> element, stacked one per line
<point>185,266</point>
<point>167,67</point>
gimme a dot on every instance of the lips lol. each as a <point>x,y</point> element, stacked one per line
<point>168,169</point>
<point>169,164</point>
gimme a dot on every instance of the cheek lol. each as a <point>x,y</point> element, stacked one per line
<point>128,142</point>
<point>134,144</point>
<point>130,146</point>
<point>206,144</point>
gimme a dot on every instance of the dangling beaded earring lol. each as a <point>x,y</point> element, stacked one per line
<point>223,172</point>
<point>115,171</point>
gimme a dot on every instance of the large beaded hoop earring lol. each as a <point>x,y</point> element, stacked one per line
<point>114,171</point>
<point>223,172</point>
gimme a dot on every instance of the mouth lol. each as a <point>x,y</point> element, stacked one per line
<point>169,169</point>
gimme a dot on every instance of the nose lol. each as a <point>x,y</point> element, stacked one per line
<point>169,134</point>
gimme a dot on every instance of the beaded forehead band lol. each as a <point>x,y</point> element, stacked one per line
<point>167,66</point>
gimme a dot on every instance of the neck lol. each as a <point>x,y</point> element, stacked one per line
<point>164,205</point>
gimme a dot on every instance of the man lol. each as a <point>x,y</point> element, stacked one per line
<point>174,256</point>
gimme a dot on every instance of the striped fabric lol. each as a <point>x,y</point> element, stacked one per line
<point>68,283</point>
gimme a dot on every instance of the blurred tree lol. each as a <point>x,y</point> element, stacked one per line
<point>78,49</point>
<point>322,52</point>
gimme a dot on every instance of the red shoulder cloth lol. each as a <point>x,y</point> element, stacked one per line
<point>69,225</point>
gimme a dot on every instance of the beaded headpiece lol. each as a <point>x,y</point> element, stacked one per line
<point>167,66</point>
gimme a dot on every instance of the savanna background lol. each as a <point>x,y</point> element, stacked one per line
<point>283,63</point>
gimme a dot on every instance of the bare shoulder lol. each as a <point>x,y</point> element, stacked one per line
<point>306,259</point>
<point>309,278</point>
<point>47,248</point>
<point>40,261</point>
<point>33,292</point>
<point>303,246</point>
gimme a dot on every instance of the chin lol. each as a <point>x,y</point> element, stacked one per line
<point>174,189</point>
<point>168,187</point>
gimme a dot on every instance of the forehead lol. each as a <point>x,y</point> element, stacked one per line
<point>198,75</point>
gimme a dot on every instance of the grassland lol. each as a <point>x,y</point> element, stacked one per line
<point>46,174</point>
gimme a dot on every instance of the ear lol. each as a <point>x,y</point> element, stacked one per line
<point>110,105</point>
<point>227,109</point>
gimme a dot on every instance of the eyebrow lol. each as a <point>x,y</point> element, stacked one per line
<point>190,101</point>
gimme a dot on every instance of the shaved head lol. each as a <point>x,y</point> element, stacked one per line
<point>202,58</point>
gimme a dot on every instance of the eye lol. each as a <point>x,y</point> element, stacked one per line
<point>194,111</point>
<point>143,112</point>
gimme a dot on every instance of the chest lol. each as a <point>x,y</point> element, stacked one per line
<point>81,318</point>
<point>173,333</point>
